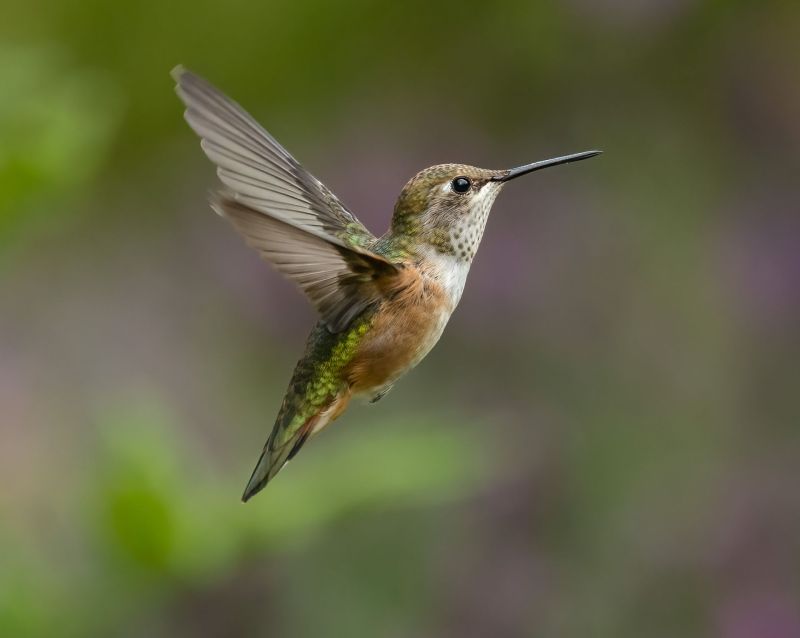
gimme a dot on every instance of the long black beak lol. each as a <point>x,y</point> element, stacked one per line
<point>529,168</point>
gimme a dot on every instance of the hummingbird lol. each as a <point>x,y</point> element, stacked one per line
<point>383,302</point>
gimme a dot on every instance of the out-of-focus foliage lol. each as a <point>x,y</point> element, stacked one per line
<point>606,441</point>
<point>56,123</point>
<point>143,539</point>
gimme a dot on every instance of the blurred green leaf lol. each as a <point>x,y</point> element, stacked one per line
<point>161,507</point>
<point>56,123</point>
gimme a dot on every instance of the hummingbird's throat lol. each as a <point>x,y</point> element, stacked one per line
<point>464,229</point>
<point>448,271</point>
<point>453,243</point>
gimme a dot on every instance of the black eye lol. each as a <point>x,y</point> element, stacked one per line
<point>461,184</point>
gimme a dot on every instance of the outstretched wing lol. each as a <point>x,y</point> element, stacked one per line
<point>282,210</point>
<point>256,168</point>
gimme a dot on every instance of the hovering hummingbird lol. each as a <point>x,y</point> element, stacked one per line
<point>383,301</point>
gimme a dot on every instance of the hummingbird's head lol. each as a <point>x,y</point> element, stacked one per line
<point>445,207</point>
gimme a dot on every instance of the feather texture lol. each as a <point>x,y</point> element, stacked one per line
<point>282,210</point>
<point>256,167</point>
<point>341,281</point>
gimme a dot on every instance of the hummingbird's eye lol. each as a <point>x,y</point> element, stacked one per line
<point>461,184</point>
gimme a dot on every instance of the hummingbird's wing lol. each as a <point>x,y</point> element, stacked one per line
<point>282,210</point>
<point>341,281</point>
<point>255,167</point>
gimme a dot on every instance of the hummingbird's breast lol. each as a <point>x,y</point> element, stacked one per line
<point>403,330</point>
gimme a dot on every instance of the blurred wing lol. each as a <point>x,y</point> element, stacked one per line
<point>341,281</point>
<point>258,171</point>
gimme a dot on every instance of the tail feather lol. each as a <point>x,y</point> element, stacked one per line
<point>280,449</point>
<point>274,458</point>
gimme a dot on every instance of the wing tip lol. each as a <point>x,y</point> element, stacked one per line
<point>217,202</point>
<point>178,71</point>
<point>181,75</point>
<point>184,76</point>
<point>225,204</point>
<point>188,83</point>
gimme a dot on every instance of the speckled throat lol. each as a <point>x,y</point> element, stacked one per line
<point>430,214</point>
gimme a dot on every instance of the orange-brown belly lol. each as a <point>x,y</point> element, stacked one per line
<point>403,331</point>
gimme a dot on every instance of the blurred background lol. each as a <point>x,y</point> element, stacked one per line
<point>604,443</point>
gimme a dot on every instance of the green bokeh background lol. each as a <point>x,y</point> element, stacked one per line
<point>605,443</point>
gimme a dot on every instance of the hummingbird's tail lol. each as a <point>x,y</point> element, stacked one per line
<point>291,431</point>
<point>270,463</point>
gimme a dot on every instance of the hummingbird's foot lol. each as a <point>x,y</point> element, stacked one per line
<point>380,394</point>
